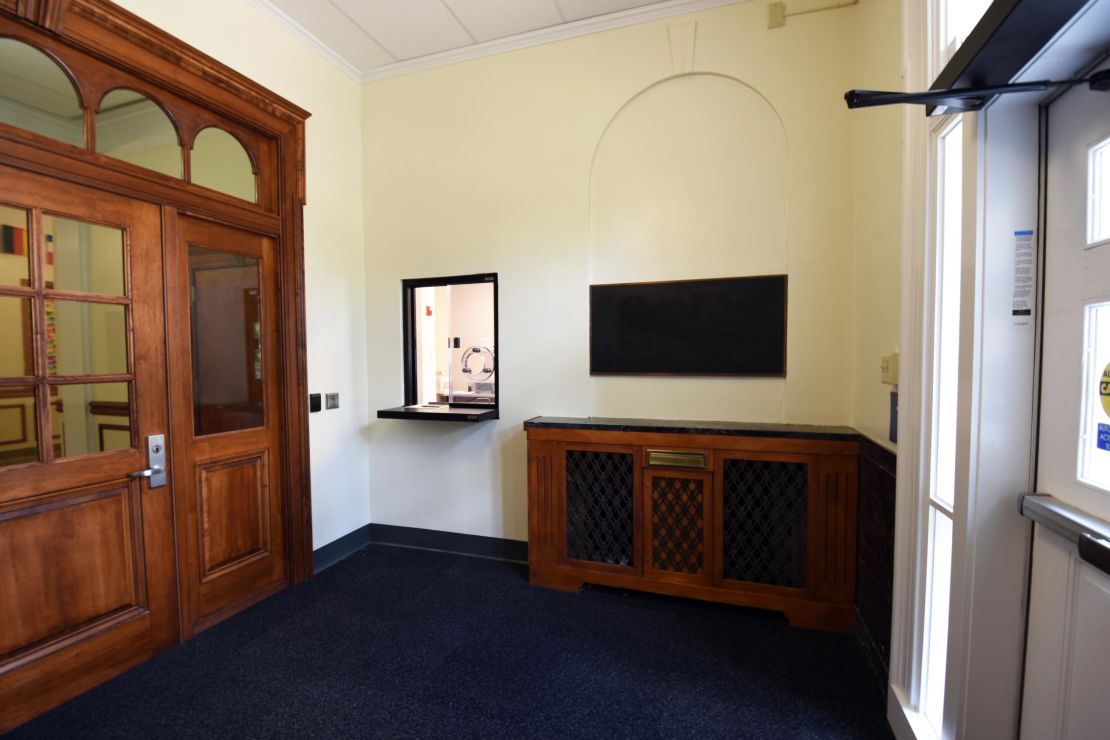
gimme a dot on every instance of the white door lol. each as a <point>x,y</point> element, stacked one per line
<point>1068,654</point>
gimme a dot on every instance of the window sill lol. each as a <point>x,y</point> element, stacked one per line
<point>438,413</point>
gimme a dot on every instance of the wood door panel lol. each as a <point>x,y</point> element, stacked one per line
<point>229,491</point>
<point>27,481</point>
<point>87,568</point>
<point>68,565</point>
<point>234,505</point>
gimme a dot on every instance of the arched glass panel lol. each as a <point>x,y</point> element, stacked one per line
<point>36,95</point>
<point>220,162</point>
<point>132,127</point>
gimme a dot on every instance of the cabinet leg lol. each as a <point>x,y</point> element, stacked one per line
<point>538,577</point>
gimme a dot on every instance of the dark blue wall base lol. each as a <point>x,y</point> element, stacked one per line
<point>347,545</point>
<point>422,539</point>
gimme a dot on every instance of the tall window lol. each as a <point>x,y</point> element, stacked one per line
<point>940,504</point>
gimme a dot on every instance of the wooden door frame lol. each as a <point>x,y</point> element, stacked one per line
<point>97,40</point>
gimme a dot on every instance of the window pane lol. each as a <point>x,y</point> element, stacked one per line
<point>946,376</point>
<point>220,162</point>
<point>455,353</point>
<point>18,436</point>
<point>16,359</point>
<point>960,17</point>
<point>1098,216</point>
<point>14,247</point>
<point>227,341</point>
<point>36,95</point>
<point>132,127</point>
<point>89,338</point>
<point>938,585</point>
<point>83,257</point>
<point>1094,437</point>
<point>91,417</point>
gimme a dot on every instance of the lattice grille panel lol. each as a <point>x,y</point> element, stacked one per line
<point>677,524</point>
<point>599,506</point>
<point>765,522</point>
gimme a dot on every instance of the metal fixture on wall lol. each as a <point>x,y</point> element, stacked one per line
<point>777,13</point>
<point>962,99</point>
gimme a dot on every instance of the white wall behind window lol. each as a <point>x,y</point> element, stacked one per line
<point>485,166</point>
<point>238,35</point>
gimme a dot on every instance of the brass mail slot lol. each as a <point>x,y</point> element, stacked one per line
<point>675,459</point>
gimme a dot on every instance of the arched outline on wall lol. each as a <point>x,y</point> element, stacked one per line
<point>61,65</point>
<point>640,94</point>
<point>161,106</point>
<point>591,399</point>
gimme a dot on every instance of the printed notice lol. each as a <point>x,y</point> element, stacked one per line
<point>1102,441</point>
<point>1025,268</point>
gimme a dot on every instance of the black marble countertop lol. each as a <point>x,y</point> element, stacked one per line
<point>678,426</point>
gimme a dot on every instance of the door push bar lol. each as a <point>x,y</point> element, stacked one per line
<point>1089,533</point>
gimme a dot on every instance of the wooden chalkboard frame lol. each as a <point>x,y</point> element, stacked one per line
<point>631,324</point>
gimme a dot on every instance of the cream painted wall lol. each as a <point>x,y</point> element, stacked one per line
<point>876,255</point>
<point>486,166</point>
<point>237,34</point>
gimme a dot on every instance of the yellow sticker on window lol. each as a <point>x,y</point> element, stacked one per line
<point>1104,390</point>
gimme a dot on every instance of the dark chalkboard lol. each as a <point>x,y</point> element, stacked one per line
<point>722,326</point>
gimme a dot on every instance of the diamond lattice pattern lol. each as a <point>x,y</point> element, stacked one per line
<point>677,527</point>
<point>765,522</point>
<point>599,506</point>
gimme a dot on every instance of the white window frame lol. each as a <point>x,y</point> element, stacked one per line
<point>1096,177</point>
<point>922,176</point>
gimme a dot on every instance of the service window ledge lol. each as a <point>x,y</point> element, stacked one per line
<point>438,413</point>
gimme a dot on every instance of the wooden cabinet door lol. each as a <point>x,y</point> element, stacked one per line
<point>764,520</point>
<point>87,573</point>
<point>598,508</point>
<point>225,369</point>
<point>678,529</point>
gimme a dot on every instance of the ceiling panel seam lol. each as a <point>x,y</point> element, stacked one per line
<point>463,26</point>
<point>366,31</point>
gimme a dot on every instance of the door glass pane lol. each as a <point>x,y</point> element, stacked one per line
<point>14,247</point>
<point>227,341</point>
<point>132,127</point>
<point>18,435</point>
<point>89,338</point>
<point>1098,193</point>
<point>91,417</point>
<point>36,95</point>
<point>15,337</point>
<point>83,257</point>
<point>1094,436</point>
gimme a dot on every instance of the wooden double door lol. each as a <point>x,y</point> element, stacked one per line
<point>129,332</point>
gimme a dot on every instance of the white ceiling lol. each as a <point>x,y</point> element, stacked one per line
<point>375,39</point>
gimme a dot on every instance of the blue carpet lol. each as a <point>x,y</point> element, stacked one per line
<point>398,643</point>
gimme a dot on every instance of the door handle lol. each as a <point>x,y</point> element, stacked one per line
<point>148,473</point>
<point>155,460</point>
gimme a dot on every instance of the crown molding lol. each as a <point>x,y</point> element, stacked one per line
<point>280,17</point>
<point>561,32</point>
<point>540,36</point>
